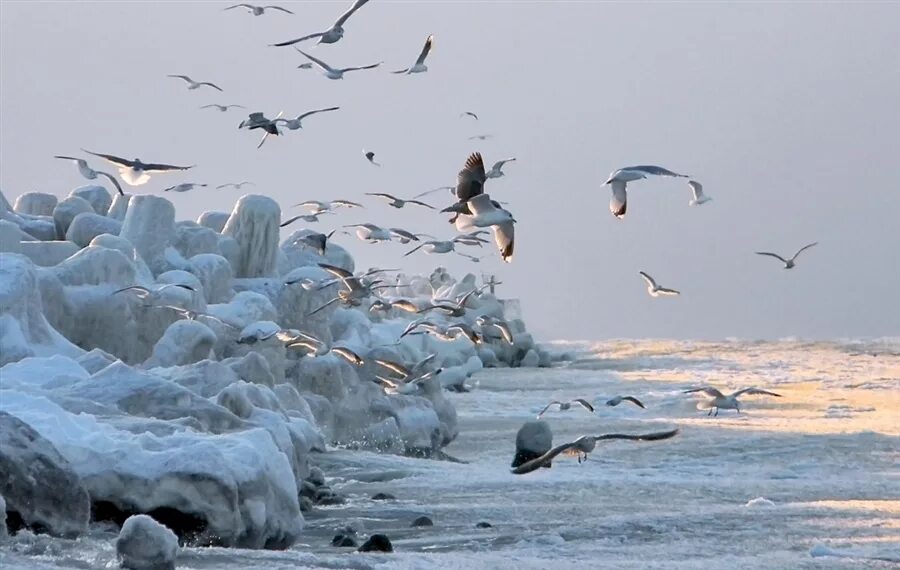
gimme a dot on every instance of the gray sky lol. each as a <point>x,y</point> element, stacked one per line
<point>786,112</point>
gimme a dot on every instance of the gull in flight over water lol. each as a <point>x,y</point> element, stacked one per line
<point>258,10</point>
<point>398,202</point>
<point>294,124</point>
<point>332,34</point>
<point>196,84</point>
<point>336,72</point>
<point>619,399</point>
<point>495,171</point>
<point>699,196</point>
<point>236,185</point>
<point>717,399</point>
<point>134,172</point>
<point>584,445</point>
<point>654,289</point>
<point>222,108</point>
<point>92,174</point>
<point>620,179</point>
<point>419,66</point>
<point>563,406</point>
<point>788,263</point>
<point>184,187</point>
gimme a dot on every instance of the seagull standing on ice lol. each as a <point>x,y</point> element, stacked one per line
<point>699,196</point>
<point>196,84</point>
<point>134,172</point>
<point>294,124</point>
<point>620,179</point>
<point>563,406</point>
<point>495,171</point>
<point>332,34</point>
<point>717,400</point>
<point>419,66</point>
<point>398,202</point>
<point>258,10</point>
<point>92,174</point>
<point>336,72</point>
<point>655,290</point>
<point>788,263</point>
<point>222,108</point>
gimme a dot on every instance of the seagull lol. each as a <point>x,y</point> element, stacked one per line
<point>452,189</point>
<point>258,120</point>
<point>788,263</point>
<point>320,206</point>
<point>333,72</point>
<point>315,347</point>
<point>332,34</point>
<point>419,66</point>
<point>144,293</point>
<point>654,289</point>
<point>437,246</point>
<point>259,331</point>
<point>398,202</point>
<point>370,156</point>
<point>719,400</point>
<point>134,172</point>
<point>92,174</point>
<point>472,238</point>
<point>495,171</point>
<point>310,218</point>
<point>452,309</point>
<point>184,187</point>
<point>406,372</point>
<point>487,213</point>
<point>619,399</point>
<point>306,65</point>
<point>404,236</point>
<point>317,241</point>
<point>294,124</point>
<point>236,185</point>
<point>196,84</point>
<point>192,315</point>
<point>258,10</point>
<point>485,321</point>
<point>620,179</point>
<point>469,114</point>
<point>386,305</point>
<point>584,445</point>
<point>480,137</point>
<point>699,196</point>
<point>222,108</point>
<point>371,233</point>
<point>563,406</point>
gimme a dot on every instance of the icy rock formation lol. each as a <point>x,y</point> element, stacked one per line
<point>97,196</point>
<point>36,204</point>
<point>192,239</point>
<point>3,529</point>
<point>297,253</point>
<point>87,225</point>
<point>214,220</point>
<point>38,484</point>
<point>533,439</point>
<point>254,224</point>
<point>109,241</point>
<point>119,207</point>
<point>184,342</point>
<point>10,237</point>
<point>47,253</point>
<point>144,544</point>
<point>66,210</point>
<point>150,227</point>
<point>215,275</point>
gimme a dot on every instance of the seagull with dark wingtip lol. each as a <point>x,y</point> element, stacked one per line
<point>134,172</point>
<point>332,34</point>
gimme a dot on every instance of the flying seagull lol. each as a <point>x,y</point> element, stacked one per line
<point>452,189</point>
<point>336,72</point>
<point>236,185</point>
<point>717,399</point>
<point>437,246</point>
<point>419,66</point>
<point>311,217</point>
<point>371,233</point>
<point>619,399</point>
<point>584,445</point>
<point>620,179</point>
<point>487,213</point>
<point>480,137</point>
<point>469,114</point>
<point>294,124</point>
<point>144,293</point>
<point>486,321</point>
<point>327,206</point>
<point>92,174</point>
<point>258,10</point>
<point>404,236</point>
<point>184,187</point>
<point>699,196</point>
<point>398,202</point>
<point>370,156</point>
<point>222,108</point>
<point>332,34</point>
<point>317,241</point>
<point>258,120</point>
<point>654,289</point>
<point>134,172</point>
<point>495,171</point>
<point>196,84</point>
<point>563,406</point>
<point>788,263</point>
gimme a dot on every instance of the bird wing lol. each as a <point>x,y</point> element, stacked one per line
<point>419,203</point>
<point>111,179</point>
<point>619,200</point>
<point>470,114</point>
<point>544,460</point>
<point>308,113</point>
<point>112,158</point>
<point>650,281</point>
<point>755,391</point>
<point>504,236</point>
<point>248,6</point>
<point>804,248</point>
<point>405,305</point>
<point>348,355</point>
<point>584,404</point>
<point>470,180</point>
<point>620,399</point>
<point>696,188</point>
<point>504,330</point>
<point>655,436</point>
<point>213,104</point>
<point>425,49</point>
<point>382,195</point>
<point>770,254</point>
<point>666,291</point>
<point>291,220</point>
<point>346,15</point>
<point>481,203</point>
<point>157,167</point>
<point>499,164</point>
<point>338,272</point>
<point>185,77</point>
<point>348,204</point>
<point>427,192</point>
<point>138,288</point>
<point>213,85</point>
<point>393,366</point>
<point>403,233</point>
<point>279,8</point>
<point>708,390</point>
<point>547,407</point>
<point>298,40</point>
<point>372,66</point>
<point>336,299</point>
<point>318,62</point>
<point>307,344</point>
<point>415,249</point>
<point>654,170</point>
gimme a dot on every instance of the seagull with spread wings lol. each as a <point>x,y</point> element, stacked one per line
<point>196,84</point>
<point>258,10</point>
<point>134,172</point>
<point>184,187</point>
<point>222,108</point>
<point>619,180</point>
<point>697,191</point>
<point>92,174</point>
<point>336,72</point>
<point>235,185</point>
<point>295,123</point>
<point>332,34</point>
<point>486,213</point>
<point>654,289</point>
<point>419,66</point>
<point>717,400</point>
<point>619,399</point>
<point>495,171</point>
<point>788,263</point>
<point>398,202</point>
<point>563,406</point>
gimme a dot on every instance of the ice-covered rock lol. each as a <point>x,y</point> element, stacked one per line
<point>3,529</point>
<point>66,210</point>
<point>119,207</point>
<point>254,224</point>
<point>214,220</point>
<point>38,484</point>
<point>109,241</point>
<point>36,204</point>
<point>47,253</point>
<point>297,253</point>
<point>144,544</point>
<point>533,439</point>
<point>184,342</point>
<point>193,239</point>
<point>531,359</point>
<point>97,196</point>
<point>215,275</point>
<point>150,227</point>
<point>87,225</point>
<point>10,237</point>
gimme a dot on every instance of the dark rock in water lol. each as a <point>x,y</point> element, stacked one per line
<point>343,540</point>
<point>429,453</point>
<point>383,497</point>
<point>422,521</point>
<point>377,543</point>
<point>308,489</point>
<point>330,499</point>
<point>306,504</point>
<point>41,489</point>
<point>316,476</point>
<point>484,524</point>
<point>533,440</point>
<point>460,388</point>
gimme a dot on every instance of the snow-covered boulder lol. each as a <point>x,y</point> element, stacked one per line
<point>36,204</point>
<point>66,210</point>
<point>184,342</point>
<point>214,220</point>
<point>150,227</point>
<point>38,483</point>
<point>533,439</point>
<point>10,237</point>
<point>97,196</point>
<point>144,544</point>
<point>109,241</point>
<point>87,225</point>
<point>193,239</point>
<point>254,224</point>
<point>47,253</point>
<point>119,207</point>
<point>215,275</point>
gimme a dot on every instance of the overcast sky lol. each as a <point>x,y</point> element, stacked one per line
<point>788,114</point>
